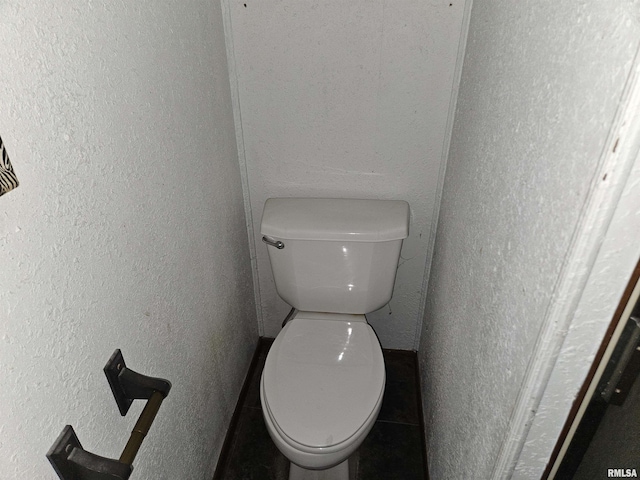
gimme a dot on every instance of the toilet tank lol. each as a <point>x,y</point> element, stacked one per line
<point>339,255</point>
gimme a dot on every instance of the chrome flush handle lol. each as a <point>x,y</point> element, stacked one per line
<point>270,241</point>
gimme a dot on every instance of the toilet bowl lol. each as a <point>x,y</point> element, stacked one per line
<point>321,390</point>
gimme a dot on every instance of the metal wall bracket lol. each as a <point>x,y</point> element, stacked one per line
<point>72,462</point>
<point>128,385</point>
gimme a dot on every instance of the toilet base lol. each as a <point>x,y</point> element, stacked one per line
<point>343,471</point>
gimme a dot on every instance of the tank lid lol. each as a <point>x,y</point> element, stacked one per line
<point>338,219</point>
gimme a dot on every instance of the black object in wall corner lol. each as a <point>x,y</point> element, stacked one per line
<point>8,179</point>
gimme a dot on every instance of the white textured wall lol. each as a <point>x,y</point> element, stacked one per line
<point>127,231</point>
<point>540,87</point>
<point>346,99</point>
<point>614,257</point>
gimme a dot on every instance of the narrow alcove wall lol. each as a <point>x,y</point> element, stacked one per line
<point>345,99</point>
<point>128,231</point>
<point>520,226</point>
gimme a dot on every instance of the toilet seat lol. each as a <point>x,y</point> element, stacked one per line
<point>322,382</point>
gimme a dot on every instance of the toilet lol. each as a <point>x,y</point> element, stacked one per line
<point>333,261</point>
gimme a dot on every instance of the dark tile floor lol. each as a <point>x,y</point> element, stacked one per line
<point>392,450</point>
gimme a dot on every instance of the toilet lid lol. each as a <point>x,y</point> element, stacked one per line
<point>323,379</point>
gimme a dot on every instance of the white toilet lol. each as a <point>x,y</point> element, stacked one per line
<point>333,260</point>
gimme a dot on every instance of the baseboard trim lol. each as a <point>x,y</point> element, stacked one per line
<point>228,439</point>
